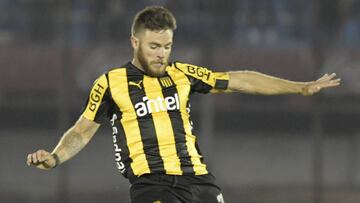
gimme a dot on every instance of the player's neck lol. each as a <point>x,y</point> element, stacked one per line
<point>137,64</point>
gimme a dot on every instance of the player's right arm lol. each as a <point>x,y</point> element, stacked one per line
<point>80,133</point>
<point>73,140</point>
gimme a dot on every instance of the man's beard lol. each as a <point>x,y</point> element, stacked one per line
<point>146,66</point>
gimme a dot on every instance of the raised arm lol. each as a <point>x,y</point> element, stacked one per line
<point>69,145</point>
<point>258,83</point>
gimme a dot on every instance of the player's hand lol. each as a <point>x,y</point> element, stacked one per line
<point>323,82</point>
<point>41,159</point>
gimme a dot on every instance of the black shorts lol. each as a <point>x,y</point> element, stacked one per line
<point>158,188</point>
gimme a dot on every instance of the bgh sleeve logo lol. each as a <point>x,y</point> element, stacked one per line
<point>95,97</point>
<point>200,72</point>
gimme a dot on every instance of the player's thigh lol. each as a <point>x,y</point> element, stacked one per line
<point>142,193</point>
<point>207,194</point>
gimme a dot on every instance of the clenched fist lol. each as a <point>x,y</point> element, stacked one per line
<point>42,160</point>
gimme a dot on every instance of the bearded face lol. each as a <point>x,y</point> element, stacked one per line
<point>152,50</point>
<point>155,68</point>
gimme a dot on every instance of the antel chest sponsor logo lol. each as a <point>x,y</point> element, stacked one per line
<point>148,106</point>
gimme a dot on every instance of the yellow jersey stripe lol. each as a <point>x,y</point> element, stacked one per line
<point>178,128</point>
<point>183,89</point>
<point>163,127</point>
<point>120,93</point>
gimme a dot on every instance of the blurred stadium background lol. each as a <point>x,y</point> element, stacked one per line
<point>261,149</point>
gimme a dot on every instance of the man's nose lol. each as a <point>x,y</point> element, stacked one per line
<point>161,53</point>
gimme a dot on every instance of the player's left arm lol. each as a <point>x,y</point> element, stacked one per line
<point>257,83</point>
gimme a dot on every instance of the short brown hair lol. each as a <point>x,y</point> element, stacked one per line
<point>153,18</point>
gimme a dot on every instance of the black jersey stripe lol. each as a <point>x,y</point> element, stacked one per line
<point>183,84</point>
<point>147,129</point>
<point>129,123</point>
<point>122,153</point>
<point>158,106</point>
<point>198,149</point>
<point>179,131</point>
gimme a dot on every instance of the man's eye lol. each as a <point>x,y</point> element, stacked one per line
<point>153,47</point>
<point>168,47</point>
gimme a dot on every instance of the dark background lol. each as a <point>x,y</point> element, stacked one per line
<point>262,149</point>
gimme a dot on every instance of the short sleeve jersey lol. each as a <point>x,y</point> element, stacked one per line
<point>150,118</point>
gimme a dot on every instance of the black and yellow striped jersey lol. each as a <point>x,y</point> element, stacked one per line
<point>150,118</point>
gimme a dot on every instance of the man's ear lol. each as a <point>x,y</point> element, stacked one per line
<point>134,42</point>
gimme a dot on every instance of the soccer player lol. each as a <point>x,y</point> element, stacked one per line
<point>147,103</point>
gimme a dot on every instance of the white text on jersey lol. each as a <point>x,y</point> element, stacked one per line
<point>148,106</point>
